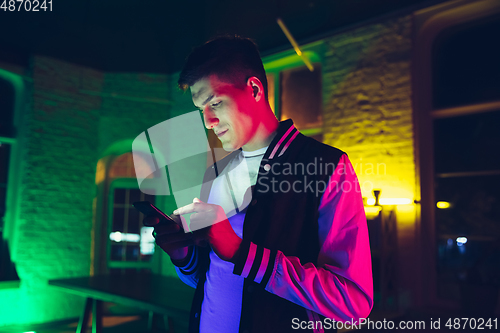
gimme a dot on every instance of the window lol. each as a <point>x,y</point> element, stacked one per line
<point>130,245</point>
<point>466,119</point>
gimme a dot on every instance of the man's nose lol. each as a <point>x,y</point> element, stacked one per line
<point>209,118</point>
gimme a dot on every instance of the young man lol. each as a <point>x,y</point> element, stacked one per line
<point>287,235</point>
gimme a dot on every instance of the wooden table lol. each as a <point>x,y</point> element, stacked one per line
<point>160,295</point>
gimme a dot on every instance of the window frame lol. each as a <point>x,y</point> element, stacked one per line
<point>16,164</point>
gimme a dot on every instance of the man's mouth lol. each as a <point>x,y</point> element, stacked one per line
<point>221,133</point>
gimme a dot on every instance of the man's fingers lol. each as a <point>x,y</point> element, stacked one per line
<point>176,218</point>
<point>191,208</point>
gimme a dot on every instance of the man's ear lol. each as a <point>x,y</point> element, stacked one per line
<point>256,87</point>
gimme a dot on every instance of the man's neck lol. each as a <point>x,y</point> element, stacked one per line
<point>265,133</point>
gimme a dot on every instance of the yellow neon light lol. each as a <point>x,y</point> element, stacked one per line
<point>395,201</point>
<point>389,201</point>
<point>443,204</point>
<point>100,173</point>
<point>294,44</point>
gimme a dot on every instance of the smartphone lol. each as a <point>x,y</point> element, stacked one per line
<point>148,209</point>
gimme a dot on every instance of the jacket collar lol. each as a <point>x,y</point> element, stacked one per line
<point>285,135</point>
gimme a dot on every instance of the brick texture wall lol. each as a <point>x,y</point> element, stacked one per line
<point>368,113</point>
<point>58,154</point>
<point>367,104</point>
<point>181,102</point>
<point>131,103</point>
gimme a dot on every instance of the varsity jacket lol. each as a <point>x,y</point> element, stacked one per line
<point>296,271</point>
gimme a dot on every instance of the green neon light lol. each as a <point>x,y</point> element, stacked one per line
<point>311,131</point>
<point>273,64</point>
<point>15,79</point>
<point>118,148</point>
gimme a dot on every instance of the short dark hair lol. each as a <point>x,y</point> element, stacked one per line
<point>233,59</point>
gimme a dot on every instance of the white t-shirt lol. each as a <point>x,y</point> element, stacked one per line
<point>221,308</point>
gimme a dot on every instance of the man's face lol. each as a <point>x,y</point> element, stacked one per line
<point>227,110</point>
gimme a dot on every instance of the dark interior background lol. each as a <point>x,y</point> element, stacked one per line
<point>156,35</point>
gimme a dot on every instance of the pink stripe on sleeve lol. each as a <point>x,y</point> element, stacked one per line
<point>250,259</point>
<point>263,265</point>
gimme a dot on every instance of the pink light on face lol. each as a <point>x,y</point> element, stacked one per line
<point>227,111</point>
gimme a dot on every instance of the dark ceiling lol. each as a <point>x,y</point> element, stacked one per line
<point>157,35</point>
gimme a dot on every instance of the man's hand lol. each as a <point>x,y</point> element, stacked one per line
<point>219,232</point>
<point>170,236</point>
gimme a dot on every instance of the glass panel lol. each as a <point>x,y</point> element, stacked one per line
<point>461,266</point>
<point>474,206</point>
<point>133,251</point>
<point>467,143</point>
<point>134,216</point>
<point>135,195</point>
<point>118,220</point>
<point>134,221</point>
<point>468,234</point>
<point>120,195</point>
<point>301,97</point>
<point>467,66</point>
<point>117,252</point>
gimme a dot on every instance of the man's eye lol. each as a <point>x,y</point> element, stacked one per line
<point>216,104</point>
